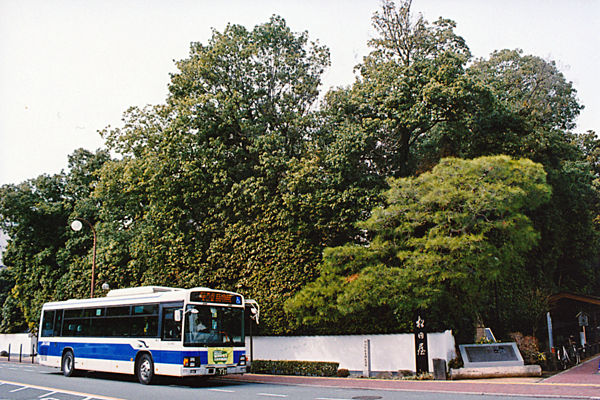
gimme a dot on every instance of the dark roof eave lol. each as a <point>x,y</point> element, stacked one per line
<point>574,296</point>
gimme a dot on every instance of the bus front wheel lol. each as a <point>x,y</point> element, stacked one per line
<point>68,364</point>
<point>145,369</point>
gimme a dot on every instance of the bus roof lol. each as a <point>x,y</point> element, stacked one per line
<point>134,295</point>
<point>140,290</point>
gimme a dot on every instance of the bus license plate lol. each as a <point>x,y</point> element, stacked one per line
<point>221,371</point>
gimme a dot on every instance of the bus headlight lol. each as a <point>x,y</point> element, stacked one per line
<point>189,361</point>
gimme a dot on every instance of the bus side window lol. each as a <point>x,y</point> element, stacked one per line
<point>146,326</point>
<point>48,323</point>
<point>171,328</point>
<point>58,323</point>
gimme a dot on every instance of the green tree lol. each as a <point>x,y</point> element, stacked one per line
<point>40,253</point>
<point>412,81</point>
<point>525,109</point>
<point>35,218</point>
<point>11,316</point>
<point>198,194</point>
<point>7,282</point>
<point>532,88</point>
<point>442,239</point>
<point>81,180</point>
<point>538,109</point>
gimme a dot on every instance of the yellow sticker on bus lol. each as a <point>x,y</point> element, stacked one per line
<point>220,355</point>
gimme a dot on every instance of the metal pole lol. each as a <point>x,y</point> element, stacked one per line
<point>251,344</point>
<point>93,263</point>
<point>93,256</point>
<point>9,352</point>
<point>21,352</point>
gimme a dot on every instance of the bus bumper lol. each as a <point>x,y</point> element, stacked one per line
<point>214,370</point>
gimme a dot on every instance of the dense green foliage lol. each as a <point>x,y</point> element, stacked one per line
<point>434,180</point>
<point>43,254</point>
<point>440,242</point>
<point>303,368</point>
<point>201,196</point>
<point>12,320</point>
<point>413,80</point>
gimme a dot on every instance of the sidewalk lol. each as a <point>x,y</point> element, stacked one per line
<point>581,382</point>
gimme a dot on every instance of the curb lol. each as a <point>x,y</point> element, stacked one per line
<point>523,387</point>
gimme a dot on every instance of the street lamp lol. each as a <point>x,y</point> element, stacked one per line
<point>76,226</point>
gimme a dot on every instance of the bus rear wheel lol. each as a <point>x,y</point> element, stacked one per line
<point>145,369</point>
<point>68,364</point>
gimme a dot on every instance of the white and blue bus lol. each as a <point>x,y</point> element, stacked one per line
<point>148,331</point>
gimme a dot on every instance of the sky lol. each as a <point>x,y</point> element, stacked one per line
<point>69,68</point>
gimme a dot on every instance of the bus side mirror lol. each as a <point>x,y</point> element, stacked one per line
<point>254,309</point>
<point>177,315</point>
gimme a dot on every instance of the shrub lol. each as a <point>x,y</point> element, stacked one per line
<point>425,376</point>
<point>304,368</point>
<point>456,363</point>
<point>529,347</point>
<point>343,373</point>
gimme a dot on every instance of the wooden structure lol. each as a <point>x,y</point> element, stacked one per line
<point>569,311</point>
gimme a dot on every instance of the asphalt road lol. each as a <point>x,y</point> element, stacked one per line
<point>31,381</point>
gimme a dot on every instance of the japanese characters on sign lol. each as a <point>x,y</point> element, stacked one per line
<point>421,354</point>
<point>367,354</point>
<point>215,297</point>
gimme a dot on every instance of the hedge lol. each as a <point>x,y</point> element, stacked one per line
<point>305,368</point>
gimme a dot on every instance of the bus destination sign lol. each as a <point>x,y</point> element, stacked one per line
<point>215,297</point>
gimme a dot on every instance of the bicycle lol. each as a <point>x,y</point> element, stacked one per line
<point>574,354</point>
<point>563,359</point>
<point>568,356</point>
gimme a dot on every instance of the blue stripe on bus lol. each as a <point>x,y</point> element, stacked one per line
<point>125,352</point>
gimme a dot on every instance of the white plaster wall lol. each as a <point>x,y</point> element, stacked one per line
<point>16,340</point>
<point>388,352</point>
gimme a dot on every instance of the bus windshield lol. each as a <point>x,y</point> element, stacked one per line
<point>211,325</point>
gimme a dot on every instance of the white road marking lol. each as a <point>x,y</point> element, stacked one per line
<point>329,398</point>
<point>272,395</point>
<point>19,389</point>
<point>222,390</point>
<point>47,394</point>
<point>86,396</point>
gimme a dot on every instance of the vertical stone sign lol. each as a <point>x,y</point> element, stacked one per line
<point>421,352</point>
<point>367,355</point>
